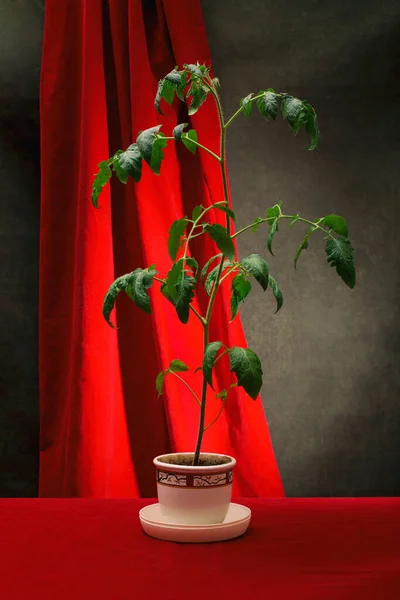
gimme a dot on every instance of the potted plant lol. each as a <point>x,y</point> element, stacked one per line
<point>195,487</point>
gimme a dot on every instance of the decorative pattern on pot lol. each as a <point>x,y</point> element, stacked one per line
<point>197,481</point>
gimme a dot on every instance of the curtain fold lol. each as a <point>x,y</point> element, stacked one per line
<point>101,421</point>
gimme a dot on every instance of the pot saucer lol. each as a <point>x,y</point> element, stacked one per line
<point>156,525</point>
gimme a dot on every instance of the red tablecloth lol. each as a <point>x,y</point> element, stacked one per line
<point>297,549</point>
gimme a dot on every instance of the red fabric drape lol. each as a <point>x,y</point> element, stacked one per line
<point>101,421</point>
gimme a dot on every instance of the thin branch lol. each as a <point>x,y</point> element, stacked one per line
<point>187,385</point>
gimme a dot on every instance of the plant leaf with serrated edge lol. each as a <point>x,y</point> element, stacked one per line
<point>340,255</point>
<point>138,284</point>
<point>273,228</point>
<point>175,232</point>
<point>194,69</point>
<point>267,104</point>
<point>311,126</point>
<point>257,223</point>
<point>135,284</point>
<point>212,276</point>
<point>209,360</point>
<point>197,212</point>
<point>198,92</point>
<point>145,142</point>
<point>221,237</point>
<point>172,277</point>
<point>100,181</point>
<point>276,292</point>
<point>296,217</point>
<point>247,367</point>
<point>160,381</point>
<point>131,162</point>
<point>120,172</point>
<point>178,130</point>
<point>293,111</point>
<point>206,266</point>
<point>247,105</point>
<point>303,246</point>
<point>258,268</point>
<point>173,82</point>
<point>226,210</point>
<point>188,138</point>
<point>241,288</point>
<point>335,222</point>
<point>193,264</point>
<point>177,366</point>
<point>185,293</point>
<point>157,153</point>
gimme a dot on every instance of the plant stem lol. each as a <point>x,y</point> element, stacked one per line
<point>218,415</point>
<point>197,144</point>
<point>187,385</point>
<point>284,217</point>
<point>217,281</point>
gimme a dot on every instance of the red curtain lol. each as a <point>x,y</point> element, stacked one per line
<point>101,421</point>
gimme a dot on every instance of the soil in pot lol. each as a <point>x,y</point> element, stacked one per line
<point>186,460</point>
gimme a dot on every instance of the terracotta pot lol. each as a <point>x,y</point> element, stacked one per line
<point>191,495</point>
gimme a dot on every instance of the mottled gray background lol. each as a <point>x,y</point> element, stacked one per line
<point>330,356</point>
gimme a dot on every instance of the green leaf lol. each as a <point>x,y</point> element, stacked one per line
<point>311,126</point>
<point>276,292</point>
<point>247,105</point>
<point>131,162</point>
<point>258,268</point>
<point>193,264</point>
<point>273,228</point>
<point>175,81</point>
<point>293,111</point>
<point>100,181</point>
<point>172,277</point>
<point>197,212</point>
<point>178,130</point>
<point>338,224</point>
<point>256,223</point>
<point>274,211</point>
<point>296,217</point>
<point>160,381</point>
<point>188,139</point>
<point>135,284</point>
<point>177,366</point>
<point>198,92</point>
<point>175,232</point>
<point>247,367</point>
<point>194,69</point>
<point>139,282</point>
<point>151,143</point>
<point>226,210</point>
<point>209,360</point>
<point>240,290</point>
<point>157,154</point>
<point>303,246</point>
<point>212,276</point>
<point>207,265</point>
<point>167,294</point>
<point>185,292</point>
<point>267,104</point>
<point>340,255</point>
<point>120,172</point>
<point>221,237</point>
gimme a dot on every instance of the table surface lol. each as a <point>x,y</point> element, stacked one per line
<point>87,549</point>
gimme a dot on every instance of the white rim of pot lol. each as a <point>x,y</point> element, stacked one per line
<point>187,468</point>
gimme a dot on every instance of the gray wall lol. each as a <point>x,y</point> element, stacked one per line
<point>330,356</point>
<point>20,49</point>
